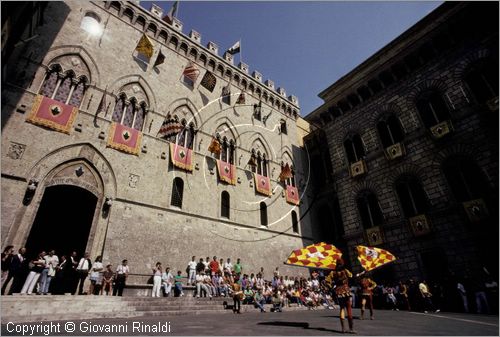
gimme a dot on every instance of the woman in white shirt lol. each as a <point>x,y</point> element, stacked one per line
<point>96,276</point>
<point>157,272</point>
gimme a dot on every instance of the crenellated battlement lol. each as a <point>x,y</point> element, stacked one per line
<point>191,46</point>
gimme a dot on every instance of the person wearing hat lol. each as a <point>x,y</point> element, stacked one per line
<point>340,278</point>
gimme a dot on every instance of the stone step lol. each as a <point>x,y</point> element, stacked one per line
<point>179,308</point>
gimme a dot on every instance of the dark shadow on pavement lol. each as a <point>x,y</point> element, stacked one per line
<point>303,325</point>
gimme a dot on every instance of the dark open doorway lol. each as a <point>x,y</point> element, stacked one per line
<point>63,221</point>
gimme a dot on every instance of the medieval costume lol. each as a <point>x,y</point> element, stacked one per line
<point>367,286</point>
<point>340,278</point>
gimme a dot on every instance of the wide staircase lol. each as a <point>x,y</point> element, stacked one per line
<point>36,308</point>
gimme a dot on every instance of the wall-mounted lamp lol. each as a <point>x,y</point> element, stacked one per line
<point>108,202</point>
<point>30,191</point>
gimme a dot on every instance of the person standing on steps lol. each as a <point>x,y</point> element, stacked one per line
<point>122,272</point>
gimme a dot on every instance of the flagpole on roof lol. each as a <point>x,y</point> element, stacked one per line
<point>241,54</point>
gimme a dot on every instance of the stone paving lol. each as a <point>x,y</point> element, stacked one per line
<point>321,322</point>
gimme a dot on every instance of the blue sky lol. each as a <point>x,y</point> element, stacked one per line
<point>302,46</point>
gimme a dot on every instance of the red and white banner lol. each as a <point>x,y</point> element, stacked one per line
<point>292,195</point>
<point>52,114</point>
<point>125,139</point>
<point>181,157</point>
<point>262,184</point>
<point>227,172</point>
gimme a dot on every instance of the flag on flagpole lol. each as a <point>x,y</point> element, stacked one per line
<point>235,49</point>
<point>169,18</point>
<point>159,59</point>
<point>319,256</point>
<point>214,146</point>
<point>208,81</point>
<point>191,72</point>
<point>169,128</point>
<point>226,94</point>
<point>241,98</point>
<point>371,257</point>
<point>145,47</point>
<point>286,173</point>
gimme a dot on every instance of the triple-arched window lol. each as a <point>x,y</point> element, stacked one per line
<point>227,152</point>
<point>130,112</point>
<point>186,136</point>
<point>64,87</point>
<point>261,162</point>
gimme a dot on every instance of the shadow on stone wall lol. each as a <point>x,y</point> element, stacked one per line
<point>33,29</point>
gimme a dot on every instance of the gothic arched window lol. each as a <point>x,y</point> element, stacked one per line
<point>369,209</point>
<point>482,80</point>
<point>129,112</point>
<point>411,196</point>
<point>390,131</point>
<point>224,204</point>
<point>295,222</point>
<point>432,109</point>
<point>354,148</point>
<point>263,214</point>
<point>64,88</point>
<point>466,180</point>
<point>177,192</point>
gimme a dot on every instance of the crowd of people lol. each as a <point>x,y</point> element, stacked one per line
<point>49,273</point>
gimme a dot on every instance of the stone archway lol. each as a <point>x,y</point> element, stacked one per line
<point>75,170</point>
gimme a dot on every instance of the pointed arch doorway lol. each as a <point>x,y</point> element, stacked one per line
<point>63,220</point>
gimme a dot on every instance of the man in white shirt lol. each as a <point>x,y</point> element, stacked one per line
<point>200,285</point>
<point>228,266</point>
<point>49,271</point>
<point>121,277</point>
<point>167,280</point>
<point>192,271</point>
<point>83,270</point>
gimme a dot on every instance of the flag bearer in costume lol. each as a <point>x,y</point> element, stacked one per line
<point>340,278</point>
<point>367,286</point>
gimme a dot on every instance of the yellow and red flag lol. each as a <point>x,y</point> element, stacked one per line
<point>52,114</point>
<point>371,257</point>
<point>214,146</point>
<point>125,139</point>
<point>319,255</point>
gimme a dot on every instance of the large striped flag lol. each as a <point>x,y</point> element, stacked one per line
<point>320,255</point>
<point>371,257</point>
<point>191,72</point>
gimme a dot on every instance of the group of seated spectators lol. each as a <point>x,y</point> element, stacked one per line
<point>48,273</point>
